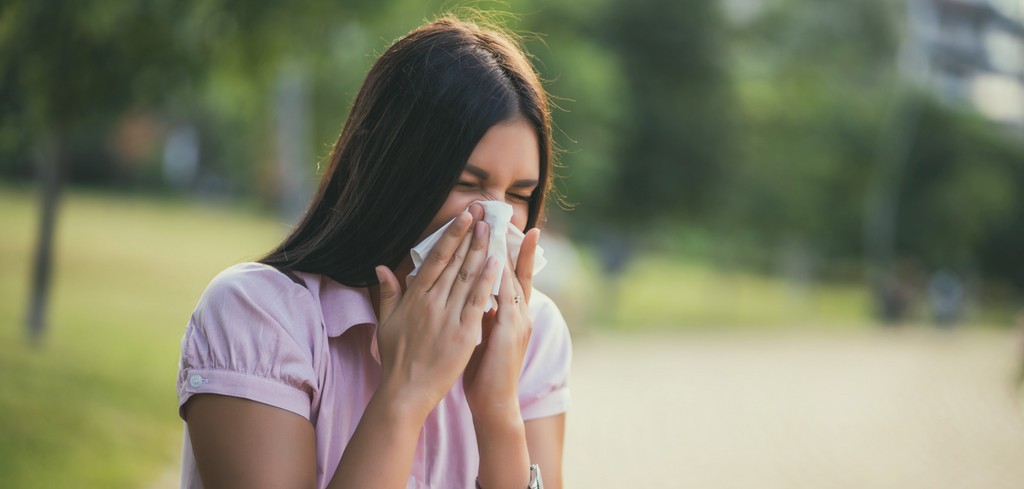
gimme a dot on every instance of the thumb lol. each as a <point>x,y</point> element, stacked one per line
<point>390,292</point>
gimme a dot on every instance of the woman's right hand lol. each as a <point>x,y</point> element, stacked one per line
<point>426,336</point>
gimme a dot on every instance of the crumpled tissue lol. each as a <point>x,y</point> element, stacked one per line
<point>505,239</point>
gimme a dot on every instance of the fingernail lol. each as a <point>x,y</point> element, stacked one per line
<point>480,228</point>
<point>380,276</point>
<point>492,261</point>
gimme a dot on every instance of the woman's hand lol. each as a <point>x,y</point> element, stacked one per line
<point>426,335</point>
<point>491,379</point>
<point>425,338</point>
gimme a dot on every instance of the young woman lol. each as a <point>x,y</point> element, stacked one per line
<point>320,366</point>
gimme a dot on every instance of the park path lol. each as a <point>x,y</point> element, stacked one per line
<point>898,409</point>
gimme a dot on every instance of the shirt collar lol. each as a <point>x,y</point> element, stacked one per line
<point>344,307</point>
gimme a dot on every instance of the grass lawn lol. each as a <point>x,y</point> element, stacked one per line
<point>95,406</point>
<point>659,293</point>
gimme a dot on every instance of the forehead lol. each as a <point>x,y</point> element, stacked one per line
<point>508,149</point>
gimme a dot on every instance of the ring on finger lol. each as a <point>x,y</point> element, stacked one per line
<point>517,298</point>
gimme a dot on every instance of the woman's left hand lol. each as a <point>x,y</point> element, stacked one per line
<point>491,379</point>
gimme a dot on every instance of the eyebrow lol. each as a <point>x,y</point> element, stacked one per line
<point>484,175</point>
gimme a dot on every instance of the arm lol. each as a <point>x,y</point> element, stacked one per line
<point>491,379</point>
<point>545,437</point>
<point>239,443</point>
<point>231,452</point>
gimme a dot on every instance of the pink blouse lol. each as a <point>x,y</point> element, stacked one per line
<point>306,344</point>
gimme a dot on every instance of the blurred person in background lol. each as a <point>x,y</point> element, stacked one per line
<point>311,368</point>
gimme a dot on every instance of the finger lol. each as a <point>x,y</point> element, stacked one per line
<point>506,297</point>
<point>524,265</point>
<point>441,253</point>
<point>470,270</point>
<point>390,292</point>
<point>473,310</point>
<point>517,288</point>
<point>443,284</point>
<point>477,211</point>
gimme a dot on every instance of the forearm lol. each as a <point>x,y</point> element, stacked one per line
<point>381,451</point>
<point>504,456</point>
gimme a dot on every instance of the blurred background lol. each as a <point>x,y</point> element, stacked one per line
<point>789,249</point>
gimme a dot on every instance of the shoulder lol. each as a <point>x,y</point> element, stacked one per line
<point>542,307</point>
<point>258,306</point>
<point>251,288</point>
<point>547,319</point>
<point>251,282</point>
<point>550,344</point>
<point>255,334</point>
<point>543,381</point>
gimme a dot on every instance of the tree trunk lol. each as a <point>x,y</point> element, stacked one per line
<point>42,268</point>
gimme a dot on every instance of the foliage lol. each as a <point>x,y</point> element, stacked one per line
<point>765,126</point>
<point>817,85</point>
<point>68,68</point>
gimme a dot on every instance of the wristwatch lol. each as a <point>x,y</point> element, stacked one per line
<point>535,482</point>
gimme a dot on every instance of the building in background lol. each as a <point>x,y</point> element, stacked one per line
<point>971,52</point>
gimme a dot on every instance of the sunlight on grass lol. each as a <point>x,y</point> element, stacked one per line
<point>95,406</point>
<point>657,292</point>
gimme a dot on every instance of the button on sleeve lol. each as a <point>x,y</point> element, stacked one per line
<point>252,336</point>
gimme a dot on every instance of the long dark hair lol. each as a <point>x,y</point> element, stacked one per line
<point>425,104</point>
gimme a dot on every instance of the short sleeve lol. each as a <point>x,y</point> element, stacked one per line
<point>544,379</point>
<point>253,335</point>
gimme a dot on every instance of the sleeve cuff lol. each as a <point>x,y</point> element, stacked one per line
<point>234,384</point>
<point>555,402</point>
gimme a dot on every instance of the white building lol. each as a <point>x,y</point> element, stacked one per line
<point>971,52</point>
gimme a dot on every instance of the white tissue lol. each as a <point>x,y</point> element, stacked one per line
<point>504,240</point>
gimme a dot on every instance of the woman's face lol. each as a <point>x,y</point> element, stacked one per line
<point>505,166</point>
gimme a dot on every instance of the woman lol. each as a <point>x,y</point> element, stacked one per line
<point>313,368</point>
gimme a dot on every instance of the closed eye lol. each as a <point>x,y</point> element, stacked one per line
<point>511,195</point>
<point>521,198</point>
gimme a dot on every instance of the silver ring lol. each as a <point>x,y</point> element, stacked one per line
<point>517,299</point>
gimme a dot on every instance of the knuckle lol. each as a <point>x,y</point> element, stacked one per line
<point>456,258</point>
<point>465,276</point>
<point>454,230</point>
<point>436,257</point>
<point>479,243</point>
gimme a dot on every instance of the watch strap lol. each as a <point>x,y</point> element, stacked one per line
<point>535,481</point>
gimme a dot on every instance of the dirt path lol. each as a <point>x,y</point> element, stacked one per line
<point>906,409</point>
